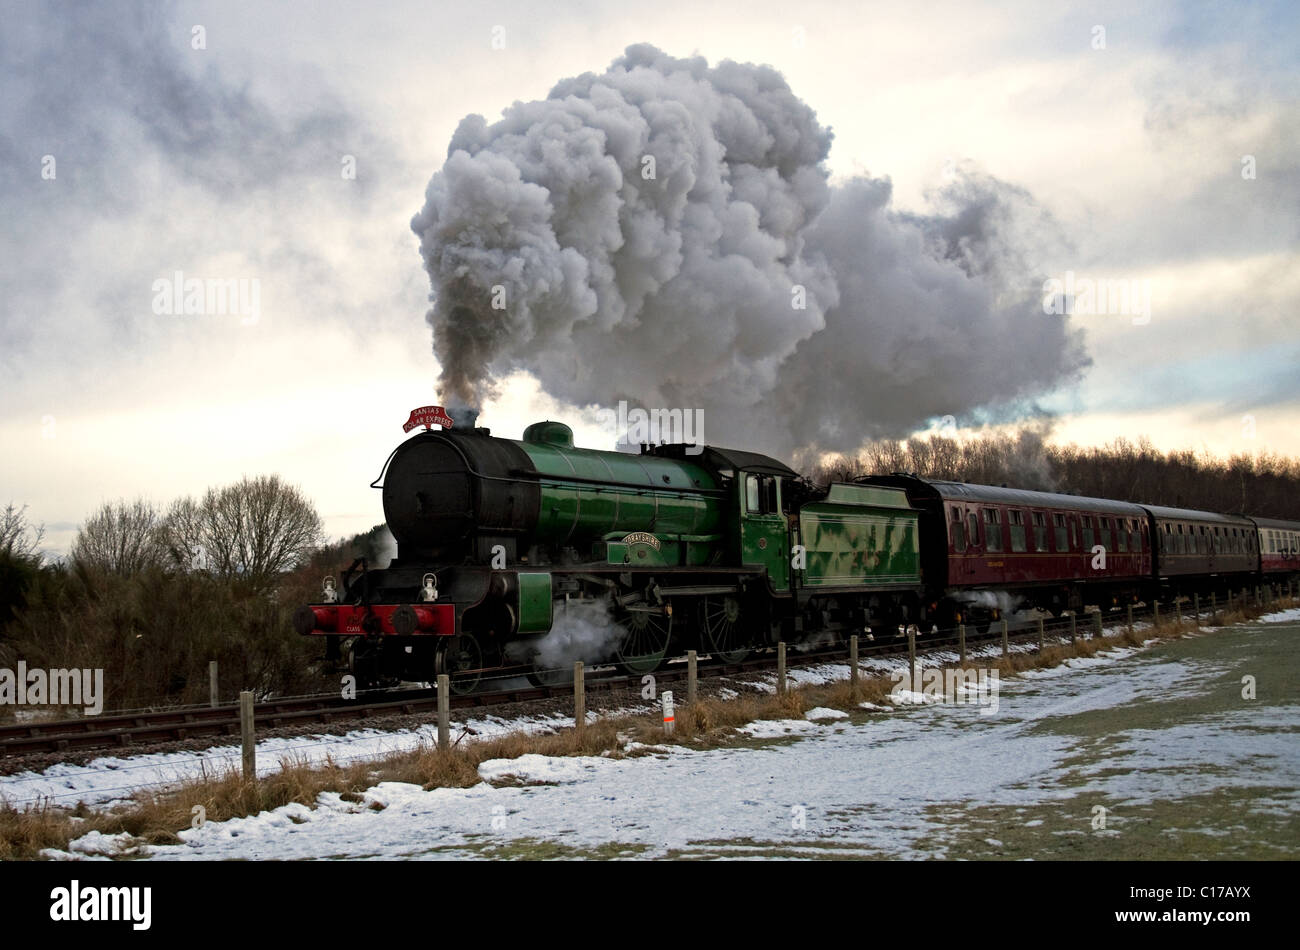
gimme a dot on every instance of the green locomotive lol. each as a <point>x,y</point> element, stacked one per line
<point>502,542</point>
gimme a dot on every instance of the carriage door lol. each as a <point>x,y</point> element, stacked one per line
<point>763,528</point>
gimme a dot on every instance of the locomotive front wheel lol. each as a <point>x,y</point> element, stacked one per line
<point>645,641</point>
<point>721,631</point>
<point>462,660</point>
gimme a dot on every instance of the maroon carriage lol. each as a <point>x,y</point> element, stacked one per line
<point>996,549</point>
<point>1195,548</point>
<point>1279,547</point>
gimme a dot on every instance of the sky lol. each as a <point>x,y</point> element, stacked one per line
<point>285,148</point>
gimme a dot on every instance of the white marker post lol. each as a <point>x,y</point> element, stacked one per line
<point>667,697</point>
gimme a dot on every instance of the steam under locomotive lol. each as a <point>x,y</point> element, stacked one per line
<point>725,551</point>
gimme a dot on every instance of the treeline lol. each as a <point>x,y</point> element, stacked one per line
<point>1264,485</point>
<point>151,595</point>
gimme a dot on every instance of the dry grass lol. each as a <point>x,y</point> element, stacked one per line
<point>156,816</point>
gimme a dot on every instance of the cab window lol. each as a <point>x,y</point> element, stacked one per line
<point>760,494</point>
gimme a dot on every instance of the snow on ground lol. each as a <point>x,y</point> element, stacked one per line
<point>1289,615</point>
<point>112,779</point>
<point>822,712</point>
<point>872,785</point>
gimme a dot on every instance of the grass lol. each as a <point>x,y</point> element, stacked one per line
<point>156,816</point>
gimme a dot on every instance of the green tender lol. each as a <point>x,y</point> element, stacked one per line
<point>860,536</point>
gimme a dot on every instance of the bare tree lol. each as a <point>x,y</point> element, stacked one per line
<point>255,530</point>
<point>122,538</point>
<point>18,539</point>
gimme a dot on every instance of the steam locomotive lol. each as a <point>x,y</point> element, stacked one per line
<point>726,551</point>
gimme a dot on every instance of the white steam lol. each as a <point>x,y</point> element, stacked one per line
<point>582,630</point>
<point>665,233</point>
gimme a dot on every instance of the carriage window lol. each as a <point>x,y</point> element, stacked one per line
<point>1017,518</point>
<point>1087,532</point>
<point>974,529</point>
<point>1121,526</point>
<point>1040,531</point>
<point>958,531</point>
<point>1061,542</point>
<point>1137,535</point>
<point>993,531</point>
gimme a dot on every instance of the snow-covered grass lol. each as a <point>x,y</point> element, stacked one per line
<point>114,779</point>
<point>525,771</point>
<point>878,784</point>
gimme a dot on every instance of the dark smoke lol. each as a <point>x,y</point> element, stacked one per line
<point>549,250</point>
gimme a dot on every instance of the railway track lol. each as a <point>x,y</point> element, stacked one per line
<point>122,730</point>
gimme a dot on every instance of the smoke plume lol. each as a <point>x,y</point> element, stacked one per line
<point>666,233</point>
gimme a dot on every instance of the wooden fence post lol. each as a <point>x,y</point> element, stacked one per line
<point>246,736</point>
<point>579,700</point>
<point>1074,629</point>
<point>853,663</point>
<point>444,712</point>
<point>1214,606</point>
<point>1096,624</point>
<point>213,694</point>
<point>1006,647</point>
<point>1155,613</point>
<point>1040,634</point>
<point>691,672</point>
<point>961,642</point>
<point>911,658</point>
<point>780,668</point>
<point>1196,611</point>
<point>1129,615</point>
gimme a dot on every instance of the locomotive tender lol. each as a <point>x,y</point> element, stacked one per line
<point>726,551</point>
